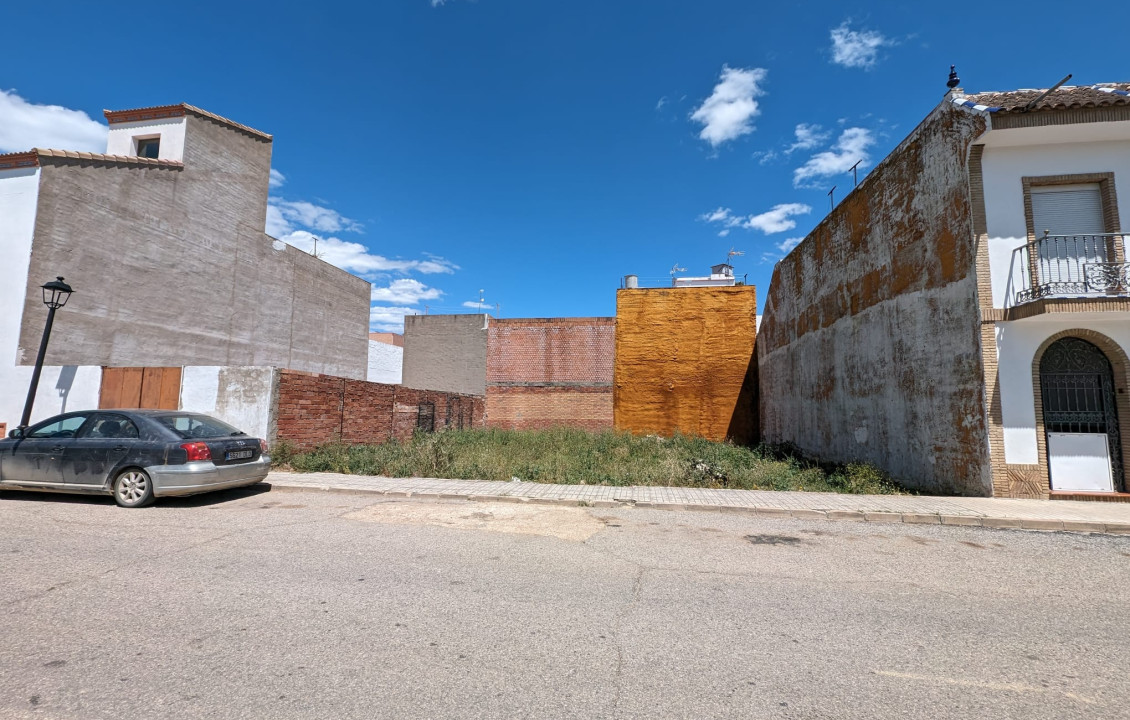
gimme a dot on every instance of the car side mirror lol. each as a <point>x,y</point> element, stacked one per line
<point>16,433</point>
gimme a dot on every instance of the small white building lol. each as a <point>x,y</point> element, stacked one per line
<point>721,275</point>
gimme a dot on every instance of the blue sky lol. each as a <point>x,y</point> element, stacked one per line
<point>540,150</point>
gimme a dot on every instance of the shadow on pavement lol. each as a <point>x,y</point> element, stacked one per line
<point>191,501</point>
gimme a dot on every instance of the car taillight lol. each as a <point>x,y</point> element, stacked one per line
<point>263,446</point>
<point>197,451</point>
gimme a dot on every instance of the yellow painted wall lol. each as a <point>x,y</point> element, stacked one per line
<point>684,362</point>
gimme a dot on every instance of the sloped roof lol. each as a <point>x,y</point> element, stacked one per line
<point>32,158</point>
<point>158,112</point>
<point>1068,97</point>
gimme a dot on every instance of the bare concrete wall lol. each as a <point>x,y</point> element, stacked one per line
<point>869,347</point>
<point>446,353</point>
<point>172,267</point>
<point>245,397</point>
<point>683,362</point>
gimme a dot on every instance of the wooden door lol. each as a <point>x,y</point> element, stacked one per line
<point>152,388</point>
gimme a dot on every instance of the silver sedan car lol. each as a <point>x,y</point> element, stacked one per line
<point>134,455</point>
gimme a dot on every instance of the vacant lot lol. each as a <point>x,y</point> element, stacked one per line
<point>578,458</point>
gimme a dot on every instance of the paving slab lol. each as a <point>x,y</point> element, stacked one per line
<point>1054,515</point>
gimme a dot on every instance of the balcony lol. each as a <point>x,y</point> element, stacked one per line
<point>1058,266</point>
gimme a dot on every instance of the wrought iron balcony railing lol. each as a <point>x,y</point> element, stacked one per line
<point>1071,266</point>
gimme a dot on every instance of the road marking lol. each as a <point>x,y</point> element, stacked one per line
<point>1005,687</point>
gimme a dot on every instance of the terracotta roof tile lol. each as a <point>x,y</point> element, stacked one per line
<point>106,159</point>
<point>158,112</point>
<point>1065,98</point>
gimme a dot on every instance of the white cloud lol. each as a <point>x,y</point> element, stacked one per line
<point>24,126</point>
<point>729,111</point>
<point>284,215</point>
<point>389,319</point>
<point>778,219</point>
<point>355,257</point>
<point>764,157</point>
<point>405,291</point>
<point>851,147</point>
<point>277,179</point>
<point>807,137</point>
<point>662,101</point>
<point>788,244</point>
<point>475,305</point>
<point>856,48</point>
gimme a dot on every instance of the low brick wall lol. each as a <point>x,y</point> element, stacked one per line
<point>550,372</point>
<point>318,409</point>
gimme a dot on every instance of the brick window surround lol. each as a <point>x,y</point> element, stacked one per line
<point>1120,365</point>
<point>1109,198</point>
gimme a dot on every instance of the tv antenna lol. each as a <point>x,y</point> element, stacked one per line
<point>854,175</point>
<point>733,253</point>
<point>315,250</point>
<point>832,199</point>
<point>675,269</point>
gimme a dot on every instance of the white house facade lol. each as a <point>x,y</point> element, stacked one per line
<point>1050,182</point>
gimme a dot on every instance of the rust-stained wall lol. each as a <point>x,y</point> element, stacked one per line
<point>684,359</point>
<point>870,340</point>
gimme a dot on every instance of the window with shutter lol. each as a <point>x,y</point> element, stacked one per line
<point>1071,216</point>
<point>1068,210</point>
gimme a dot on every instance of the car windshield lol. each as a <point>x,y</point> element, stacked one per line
<point>197,426</point>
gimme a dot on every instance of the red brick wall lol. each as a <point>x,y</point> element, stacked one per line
<point>317,409</point>
<point>550,372</point>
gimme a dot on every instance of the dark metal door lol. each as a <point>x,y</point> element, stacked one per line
<point>1077,388</point>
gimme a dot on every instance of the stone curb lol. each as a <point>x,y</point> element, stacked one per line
<point>1007,523</point>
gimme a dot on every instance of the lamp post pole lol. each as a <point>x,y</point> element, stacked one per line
<point>55,294</point>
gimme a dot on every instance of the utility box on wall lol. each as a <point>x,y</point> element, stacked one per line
<point>685,362</point>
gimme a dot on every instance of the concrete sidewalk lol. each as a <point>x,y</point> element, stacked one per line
<point>1096,517</point>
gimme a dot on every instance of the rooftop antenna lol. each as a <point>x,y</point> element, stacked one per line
<point>831,199</point>
<point>498,309</point>
<point>1045,93</point>
<point>854,175</point>
<point>676,269</point>
<point>480,300</point>
<point>425,309</point>
<point>954,80</point>
<point>315,251</point>
<point>733,253</point>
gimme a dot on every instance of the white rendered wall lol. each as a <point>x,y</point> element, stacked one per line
<point>60,388</point>
<point>1004,166</point>
<point>386,363</point>
<point>241,396</point>
<point>120,140</point>
<point>1017,343</point>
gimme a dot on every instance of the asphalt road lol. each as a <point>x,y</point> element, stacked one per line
<point>317,605</point>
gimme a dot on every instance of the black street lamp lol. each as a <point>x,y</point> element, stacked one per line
<point>55,294</point>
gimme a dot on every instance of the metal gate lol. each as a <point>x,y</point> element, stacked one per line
<point>1077,388</point>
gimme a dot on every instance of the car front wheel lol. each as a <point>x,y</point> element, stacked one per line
<point>133,488</point>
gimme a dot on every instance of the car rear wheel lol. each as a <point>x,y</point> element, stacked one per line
<point>133,488</point>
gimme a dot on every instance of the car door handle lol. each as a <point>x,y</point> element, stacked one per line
<point>57,448</point>
<point>120,448</point>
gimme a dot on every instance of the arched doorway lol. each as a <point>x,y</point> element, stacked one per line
<point>1080,417</point>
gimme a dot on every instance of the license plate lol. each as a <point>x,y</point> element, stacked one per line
<point>239,454</point>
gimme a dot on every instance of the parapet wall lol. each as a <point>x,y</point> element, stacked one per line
<point>869,347</point>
